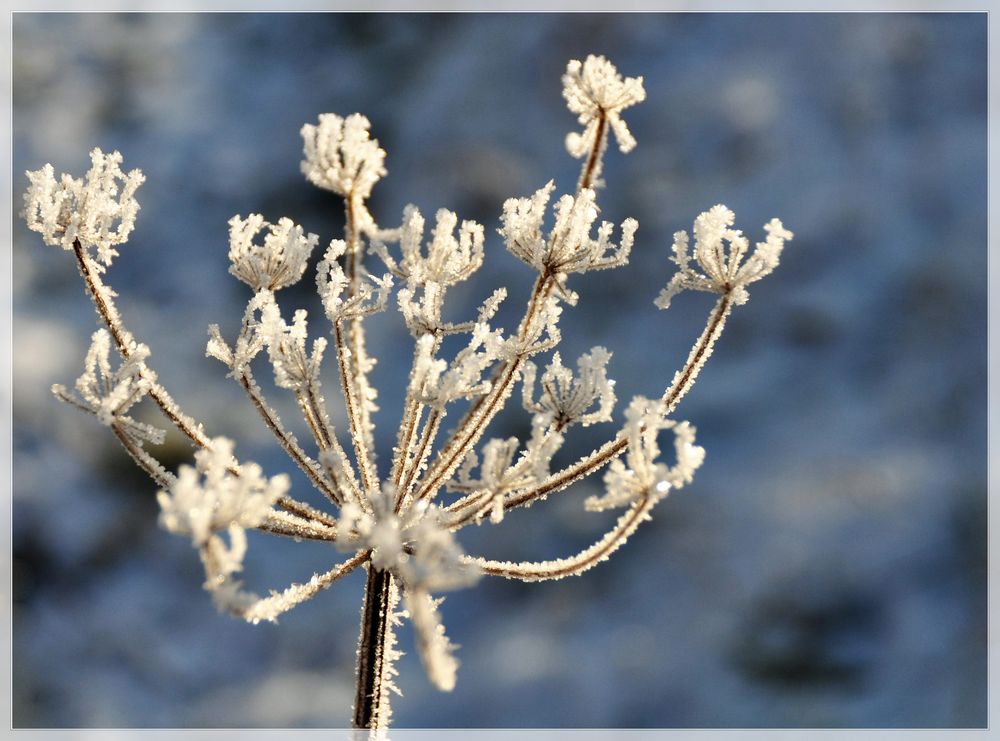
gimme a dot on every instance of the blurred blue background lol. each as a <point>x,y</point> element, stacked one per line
<point>828,565</point>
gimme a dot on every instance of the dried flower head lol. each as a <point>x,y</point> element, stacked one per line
<point>723,270</point>
<point>340,300</point>
<point>643,477</point>
<point>449,259</point>
<point>594,89</point>
<point>209,496</point>
<point>565,400</point>
<point>97,210</point>
<point>569,247</point>
<point>280,261</point>
<point>341,156</point>
<point>108,394</point>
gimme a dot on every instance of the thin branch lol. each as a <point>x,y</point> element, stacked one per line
<point>592,166</point>
<point>683,381</point>
<point>578,563</point>
<point>343,480</point>
<point>423,450</point>
<point>143,459</point>
<point>287,441</point>
<point>292,526</point>
<point>404,464</point>
<point>485,408</point>
<point>101,296</point>
<point>277,603</point>
<point>702,350</point>
<point>306,511</point>
<point>352,357</point>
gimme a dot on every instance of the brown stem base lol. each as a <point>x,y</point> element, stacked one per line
<point>371,703</point>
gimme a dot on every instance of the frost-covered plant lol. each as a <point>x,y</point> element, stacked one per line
<point>396,523</point>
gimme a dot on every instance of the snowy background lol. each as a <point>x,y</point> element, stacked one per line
<point>826,568</point>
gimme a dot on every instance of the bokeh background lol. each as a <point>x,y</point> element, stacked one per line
<point>828,565</point>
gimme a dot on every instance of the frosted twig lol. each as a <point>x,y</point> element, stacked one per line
<point>576,564</point>
<point>293,526</point>
<point>269,608</point>
<point>287,441</point>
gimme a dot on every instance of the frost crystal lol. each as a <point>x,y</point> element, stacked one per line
<point>449,259</point>
<point>569,248</point>
<point>294,367</point>
<point>597,94</point>
<point>564,400</point>
<point>248,344</point>
<point>278,262</point>
<point>99,209</point>
<point>643,477</point>
<point>422,553</point>
<point>723,270</point>
<point>333,286</point>
<point>438,382</point>
<point>108,395</point>
<point>210,497</point>
<point>341,156</point>
<point>499,475</point>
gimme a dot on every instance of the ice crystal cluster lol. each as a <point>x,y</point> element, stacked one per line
<point>400,523</point>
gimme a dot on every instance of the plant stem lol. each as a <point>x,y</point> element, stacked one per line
<point>592,166</point>
<point>375,646</point>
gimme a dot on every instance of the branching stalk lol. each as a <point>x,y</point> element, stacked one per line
<point>483,410</point>
<point>352,356</point>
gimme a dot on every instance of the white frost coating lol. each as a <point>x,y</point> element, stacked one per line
<point>565,400</point>
<point>419,550</point>
<point>448,259</point>
<point>435,650</point>
<point>270,607</point>
<point>593,89</point>
<point>280,261</point>
<point>109,395</point>
<point>413,544</point>
<point>643,477</point>
<point>98,209</point>
<point>341,156</point>
<point>208,497</point>
<point>569,247</point>
<point>294,367</point>
<point>539,335</point>
<point>440,383</point>
<point>249,342</point>
<point>723,270</point>
<point>585,560</point>
<point>499,475</point>
<point>332,282</point>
